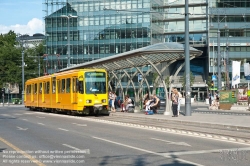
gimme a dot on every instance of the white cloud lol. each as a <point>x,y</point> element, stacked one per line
<point>33,26</point>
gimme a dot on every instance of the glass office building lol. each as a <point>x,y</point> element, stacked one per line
<point>98,28</point>
<point>232,19</point>
<point>79,31</point>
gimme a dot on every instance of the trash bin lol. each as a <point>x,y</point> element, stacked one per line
<point>15,101</point>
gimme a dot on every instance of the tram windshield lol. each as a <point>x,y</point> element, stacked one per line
<point>95,82</point>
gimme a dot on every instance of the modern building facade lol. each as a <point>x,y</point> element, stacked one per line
<point>232,19</point>
<point>99,29</point>
<point>79,31</point>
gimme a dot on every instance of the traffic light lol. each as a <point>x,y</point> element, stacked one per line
<point>212,84</point>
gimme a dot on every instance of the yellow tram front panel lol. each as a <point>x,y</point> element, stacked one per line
<point>92,89</point>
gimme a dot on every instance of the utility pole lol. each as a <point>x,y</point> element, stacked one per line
<point>187,63</point>
<point>22,75</point>
<point>218,54</point>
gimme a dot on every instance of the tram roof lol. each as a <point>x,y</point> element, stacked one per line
<point>157,53</point>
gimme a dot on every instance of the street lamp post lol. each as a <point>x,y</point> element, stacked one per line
<point>68,40</point>
<point>22,76</point>
<point>187,63</point>
<point>218,54</point>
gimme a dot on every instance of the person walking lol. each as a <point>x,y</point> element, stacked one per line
<point>175,100</point>
<point>112,98</point>
<point>210,99</point>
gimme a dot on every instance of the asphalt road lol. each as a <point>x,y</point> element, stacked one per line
<point>37,138</point>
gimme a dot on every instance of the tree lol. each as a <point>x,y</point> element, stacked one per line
<point>11,60</point>
<point>167,81</point>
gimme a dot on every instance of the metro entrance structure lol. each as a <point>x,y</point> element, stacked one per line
<point>135,69</point>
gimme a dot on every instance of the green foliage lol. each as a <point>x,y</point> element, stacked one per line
<point>11,60</point>
<point>167,81</point>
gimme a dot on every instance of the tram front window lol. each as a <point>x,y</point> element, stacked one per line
<point>95,82</point>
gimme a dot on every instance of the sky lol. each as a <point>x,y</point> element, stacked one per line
<point>22,16</point>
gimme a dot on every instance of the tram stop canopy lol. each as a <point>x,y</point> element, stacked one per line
<point>161,52</point>
<point>152,55</point>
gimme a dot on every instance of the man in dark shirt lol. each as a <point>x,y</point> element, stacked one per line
<point>155,103</point>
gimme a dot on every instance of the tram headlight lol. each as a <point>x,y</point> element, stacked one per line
<point>88,101</point>
<point>104,100</point>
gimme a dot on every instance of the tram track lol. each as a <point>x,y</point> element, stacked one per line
<point>197,129</point>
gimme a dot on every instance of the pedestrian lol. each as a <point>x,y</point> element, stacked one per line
<point>194,98</point>
<point>210,98</point>
<point>179,103</point>
<point>113,97</point>
<point>155,103</point>
<point>127,103</point>
<point>145,99</point>
<point>175,100</point>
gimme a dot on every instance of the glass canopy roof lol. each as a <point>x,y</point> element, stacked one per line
<point>157,53</point>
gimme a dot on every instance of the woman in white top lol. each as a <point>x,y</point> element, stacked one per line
<point>127,103</point>
<point>113,97</point>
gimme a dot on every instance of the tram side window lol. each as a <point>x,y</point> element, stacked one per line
<point>32,89</point>
<point>68,85</point>
<point>80,87</point>
<point>63,86</point>
<point>35,90</point>
<point>28,89</point>
<point>47,87</point>
<point>40,87</point>
<point>54,85</point>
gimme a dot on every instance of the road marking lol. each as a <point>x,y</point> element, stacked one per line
<point>29,113</point>
<point>41,124</point>
<point>17,114</point>
<point>72,147</point>
<point>24,119</point>
<point>147,151</point>
<point>205,151</point>
<point>169,142</point>
<point>138,127</point>
<point>35,161</point>
<point>63,129</point>
<point>20,128</point>
<point>40,116</point>
<point>79,124</point>
<point>5,114</point>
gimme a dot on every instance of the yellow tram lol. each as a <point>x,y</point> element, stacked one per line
<point>82,91</point>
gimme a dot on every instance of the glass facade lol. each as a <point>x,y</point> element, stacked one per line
<point>174,30</point>
<point>101,28</point>
<point>231,18</point>
<point>98,29</point>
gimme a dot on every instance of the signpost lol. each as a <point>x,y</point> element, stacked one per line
<point>214,78</point>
